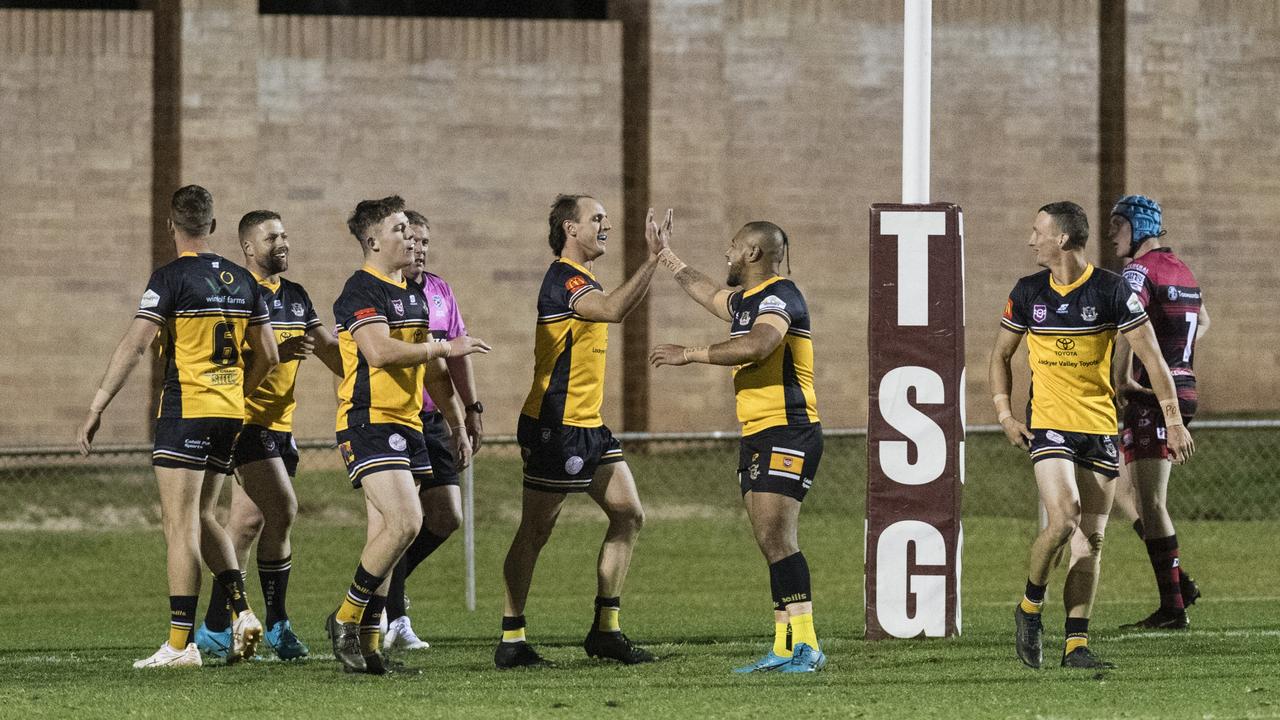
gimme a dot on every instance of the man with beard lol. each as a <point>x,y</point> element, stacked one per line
<point>771,351</point>
<point>263,504</point>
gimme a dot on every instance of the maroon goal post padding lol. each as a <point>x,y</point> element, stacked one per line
<point>915,424</point>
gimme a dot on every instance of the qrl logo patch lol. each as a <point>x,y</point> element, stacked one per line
<point>1039,313</point>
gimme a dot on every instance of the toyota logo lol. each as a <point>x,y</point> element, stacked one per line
<point>1066,343</point>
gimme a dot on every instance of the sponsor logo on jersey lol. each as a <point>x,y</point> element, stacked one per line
<point>1135,279</point>
<point>1173,293</point>
<point>1063,308</point>
<point>773,302</point>
<point>1133,303</point>
<point>1065,343</point>
<point>1089,313</point>
<point>277,304</point>
<point>150,299</point>
<point>1039,313</point>
<point>413,299</point>
<point>363,313</point>
<point>575,282</point>
<point>398,305</point>
<point>226,277</point>
<point>1008,309</point>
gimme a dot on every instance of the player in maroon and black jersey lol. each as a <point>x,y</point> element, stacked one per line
<point>1168,290</point>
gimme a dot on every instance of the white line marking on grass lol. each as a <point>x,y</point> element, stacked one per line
<point>1213,600</point>
<point>1195,633</point>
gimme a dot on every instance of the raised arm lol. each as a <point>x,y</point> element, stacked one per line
<point>765,336</point>
<point>1000,378</point>
<point>698,286</point>
<point>133,346</point>
<point>1143,341</point>
<point>381,350</point>
<point>598,306</point>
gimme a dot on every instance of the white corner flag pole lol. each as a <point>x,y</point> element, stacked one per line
<point>469,531</point>
<point>917,56</point>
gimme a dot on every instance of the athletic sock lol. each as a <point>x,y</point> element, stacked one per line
<point>1032,598</point>
<point>1077,632</point>
<point>1166,564</point>
<point>217,617</point>
<point>607,609</point>
<point>362,588</point>
<point>790,579</point>
<point>781,632</point>
<point>274,576</point>
<point>182,616</point>
<point>370,625</point>
<point>420,549</point>
<point>802,630</point>
<point>513,629</point>
<point>395,591</point>
<point>232,582</point>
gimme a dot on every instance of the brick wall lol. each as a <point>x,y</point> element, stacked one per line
<point>478,124</point>
<point>75,183</point>
<point>786,110</point>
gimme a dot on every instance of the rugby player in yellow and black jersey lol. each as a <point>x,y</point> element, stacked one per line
<point>385,345</point>
<point>263,503</point>
<point>1070,314</point>
<point>563,440</point>
<point>771,351</point>
<point>206,307</point>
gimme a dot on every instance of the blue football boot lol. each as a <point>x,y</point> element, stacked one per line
<point>215,644</point>
<point>804,659</point>
<point>285,642</point>
<point>771,661</point>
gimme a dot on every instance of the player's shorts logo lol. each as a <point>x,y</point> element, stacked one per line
<point>397,442</point>
<point>1089,313</point>
<point>546,434</point>
<point>1109,446</point>
<point>1055,436</point>
<point>348,455</point>
<point>754,471</point>
<point>573,465</point>
<point>297,309</point>
<point>1039,313</point>
<point>268,442</point>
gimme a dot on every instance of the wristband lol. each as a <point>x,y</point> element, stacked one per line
<point>998,397</point>
<point>698,355</point>
<point>668,260</point>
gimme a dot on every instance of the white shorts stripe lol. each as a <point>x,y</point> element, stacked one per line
<point>788,451</point>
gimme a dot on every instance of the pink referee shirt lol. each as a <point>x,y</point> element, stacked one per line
<point>444,318</point>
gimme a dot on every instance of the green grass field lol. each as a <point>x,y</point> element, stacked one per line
<point>81,604</point>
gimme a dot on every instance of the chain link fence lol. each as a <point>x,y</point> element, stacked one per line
<point>1233,477</point>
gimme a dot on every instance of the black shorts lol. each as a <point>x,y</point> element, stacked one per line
<point>563,458</point>
<point>782,460</point>
<point>257,443</point>
<point>195,443</point>
<point>440,449</point>
<point>377,447</point>
<point>1091,452</point>
<point>1143,437</point>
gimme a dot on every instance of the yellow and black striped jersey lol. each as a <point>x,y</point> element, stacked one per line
<point>1071,333</point>
<point>204,305</point>
<point>568,351</point>
<point>779,389</point>
<point>292,314</point>
<point>379,395</point>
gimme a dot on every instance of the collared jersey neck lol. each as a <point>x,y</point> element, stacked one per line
<point>374,272</point>
<point>188,254</point>
<point>267,282</point>
<point>1065,290</point>
<point>762,286</point>
<point>576,266</point>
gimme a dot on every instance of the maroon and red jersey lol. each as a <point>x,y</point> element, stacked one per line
<point>1168,290</point>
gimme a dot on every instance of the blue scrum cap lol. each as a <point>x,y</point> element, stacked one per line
<point>1144,217</point>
